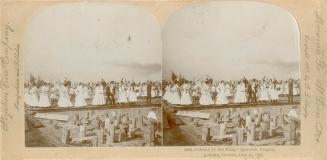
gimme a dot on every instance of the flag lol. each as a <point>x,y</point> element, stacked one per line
<point>173,76</point>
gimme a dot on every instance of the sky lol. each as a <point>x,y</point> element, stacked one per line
<point>89,42</point>
<point>229,40</point>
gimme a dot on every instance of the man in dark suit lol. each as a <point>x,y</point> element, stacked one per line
<point>249,92</point>
<point>290,90</point>
<point>149,89</point>
<point>108,91</point>
<point>252,91</point>
<point>111,92</point>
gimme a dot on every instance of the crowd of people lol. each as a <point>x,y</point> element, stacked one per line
<point>39,93</point>
<point>208,92</point>
<point>177,92</point>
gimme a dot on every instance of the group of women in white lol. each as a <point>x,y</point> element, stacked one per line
<point>185,94</point>
<point>44,94</point>
<point>129,92</point>
<point>222,92</point>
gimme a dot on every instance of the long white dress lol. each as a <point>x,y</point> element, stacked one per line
<point>52,93</point>
<point>80,97</point>
<point>86,92</point>
<point>44,97</point>
<point>186,98</point>
<point>32,99</point>
<point>175,98</point>
<point>264,93</point>
<point>122,97</point>
<point>56,91</point>
<point>240,96</point>
<point>167,94</point>
<point>205,98</point>
<point>64,99</point>
<point>195,90</point>
<point>71,92</point>
<point>137,90</point>
<point>285,88</point>
<point>98,98</point>
<point>221,95</point>
<point>144,91</point>
<point>127,92</point>
<point>132,97</point>
<point>227,91</point>
<point>273,93</point>
<point>153,92</point>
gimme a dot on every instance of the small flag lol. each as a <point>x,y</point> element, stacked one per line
<point>173,76</point>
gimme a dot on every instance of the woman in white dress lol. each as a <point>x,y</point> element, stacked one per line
<point>44,96</point>
<point>153,91</point>
<point>98,98</point>
<point>273,93</point>
<point>167,94</point>
<point>227,90</point>
<point>137,90</point>
<point>80,96</point>
<point>240,96</point>
<point>64,99</point>
<point>264,93</point>
<point>132,97</point>
<point>144,90</point>
<point>221,95</point>
<point>194,90</point>
<point>175,98</point>
<point>122,97</point>
<point>212,89</point>
<point>285,88</point>
<point>186,98</point>
<point>205,98</point>
<point>127,91</point>
<point>33,96</point>
<point>86,92</point>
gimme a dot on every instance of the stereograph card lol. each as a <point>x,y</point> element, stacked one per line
<point>163,79</point>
